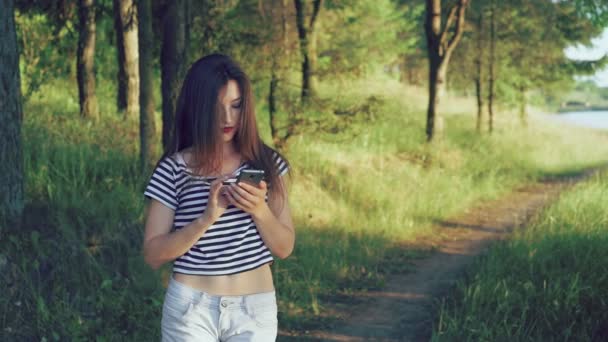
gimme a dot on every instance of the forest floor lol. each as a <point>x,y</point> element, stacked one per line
<point>406,308</point>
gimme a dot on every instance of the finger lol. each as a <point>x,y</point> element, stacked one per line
<point>263,185</point>
<point>223,201</point>
<point>217,184</point>
<point>233,201</point>
<point>219,180</point>
<point>252,189</point>
<point>244,198</point>
<point>250,195</point>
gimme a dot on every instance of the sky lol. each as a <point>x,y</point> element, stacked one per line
<point>600,48</point>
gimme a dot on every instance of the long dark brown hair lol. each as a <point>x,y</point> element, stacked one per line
<point>197,121</point>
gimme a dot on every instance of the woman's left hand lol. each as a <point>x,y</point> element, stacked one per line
<point>248,197</point>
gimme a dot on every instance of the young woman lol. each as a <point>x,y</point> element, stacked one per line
<point>222,237</point>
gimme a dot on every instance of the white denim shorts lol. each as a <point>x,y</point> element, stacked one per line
<point>193,315</point>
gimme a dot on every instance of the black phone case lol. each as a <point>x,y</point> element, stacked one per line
<point>251,177</point>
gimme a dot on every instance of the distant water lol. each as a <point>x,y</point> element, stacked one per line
<point>591,119</point>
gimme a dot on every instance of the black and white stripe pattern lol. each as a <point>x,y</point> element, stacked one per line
<point>231,245</point>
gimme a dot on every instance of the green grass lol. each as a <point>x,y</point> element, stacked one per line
<point>548,283</point>
<point>361,187</point>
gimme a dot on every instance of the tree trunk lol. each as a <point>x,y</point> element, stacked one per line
<point>523,115</point>
<point>437,76</point>
<point>302,35</point>
<point>307,36</point>
<point>479,72</point>
<point>11,116</point>
<point>280,59</point>
<point>439,51</point>
<point>312,57</point>
<point>147,124</point>
<point>85,59</point>
<point>491,67</point>
<point>125,23</point>
<point>172,61</point>
<point>272,103</point>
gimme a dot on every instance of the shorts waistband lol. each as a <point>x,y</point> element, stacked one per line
<point>182,290</point>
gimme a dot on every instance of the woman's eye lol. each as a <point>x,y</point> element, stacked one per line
<point>237,106</point>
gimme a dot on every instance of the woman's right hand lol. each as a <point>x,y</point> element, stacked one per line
<point>217,202</point>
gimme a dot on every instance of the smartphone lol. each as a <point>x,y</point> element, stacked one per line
<point>229,181</point>
<point>251,176</point>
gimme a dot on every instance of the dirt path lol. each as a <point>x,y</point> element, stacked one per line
<point>403,310</point>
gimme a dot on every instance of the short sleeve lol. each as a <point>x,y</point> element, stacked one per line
<point>162,184</point>
<point>280,163</point>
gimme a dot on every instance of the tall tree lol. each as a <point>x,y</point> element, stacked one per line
<point>274,69</point>
<point>492,66</point>
<point>147,125</point>
<point>86,59</point>
<point>173,60</point>
<point>276,46</point>
<point>125,23</point>
<point>441,42</point>
<point>479,75</point>
<point>11,116</point>
<point>307,35</point>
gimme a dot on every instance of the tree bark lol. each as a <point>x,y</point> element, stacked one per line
<point>86,59</point>
<point>272,103</point>
<point>125,23</point>
<point>11,116</point>
<point>312,55</point>
<point>280,59</point>
<point>479,71</point>
<point>492,62</point>
<point>147,124</point>
<point>307,36</point>
<point>523,114</point>
<point>440,49</point>
<point>172,61</point>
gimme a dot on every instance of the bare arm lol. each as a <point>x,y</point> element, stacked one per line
<point>161,245</point>
<point>276,229</point>
<point>273,219</point>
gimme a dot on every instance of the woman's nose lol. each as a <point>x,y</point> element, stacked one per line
<point>228,116</point>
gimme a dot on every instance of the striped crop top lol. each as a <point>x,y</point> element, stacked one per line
<point>232,244</point>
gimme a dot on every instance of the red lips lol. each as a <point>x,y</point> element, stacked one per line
<point>228,129</point>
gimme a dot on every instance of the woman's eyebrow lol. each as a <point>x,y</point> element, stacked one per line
<point>238,98</point>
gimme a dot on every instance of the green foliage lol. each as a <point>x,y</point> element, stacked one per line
<point>361,35</point>
<point>531,38</point>
<point>547,284</point>
<point>363,179</point>
<point>85,214</point>
<point>595,10</point>
<point>44,50</point>
<point>584,91</point>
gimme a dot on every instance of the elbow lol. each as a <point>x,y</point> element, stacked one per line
<point>284,252</point>
<point>150,259</point>
<point>153,265</point>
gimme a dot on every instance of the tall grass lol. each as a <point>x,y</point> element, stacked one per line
<point>547,284</point>
<point>360,188</point>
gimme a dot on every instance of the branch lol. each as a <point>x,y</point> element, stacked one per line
<point>300,19</point>
<point>316,7</point>
<point>446,28</point>
<point>459,27</point>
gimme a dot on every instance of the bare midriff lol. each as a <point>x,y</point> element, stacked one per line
<point>257,280</point>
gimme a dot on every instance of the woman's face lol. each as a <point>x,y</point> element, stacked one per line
<point>230,100</point>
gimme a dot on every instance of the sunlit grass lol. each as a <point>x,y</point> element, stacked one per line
<point>548,283</point>
<point>358,190</point>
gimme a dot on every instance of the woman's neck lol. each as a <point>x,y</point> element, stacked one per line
<point>229,150</point>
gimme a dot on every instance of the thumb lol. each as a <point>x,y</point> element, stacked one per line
<point>217,184</point>
<point>263,185</point>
